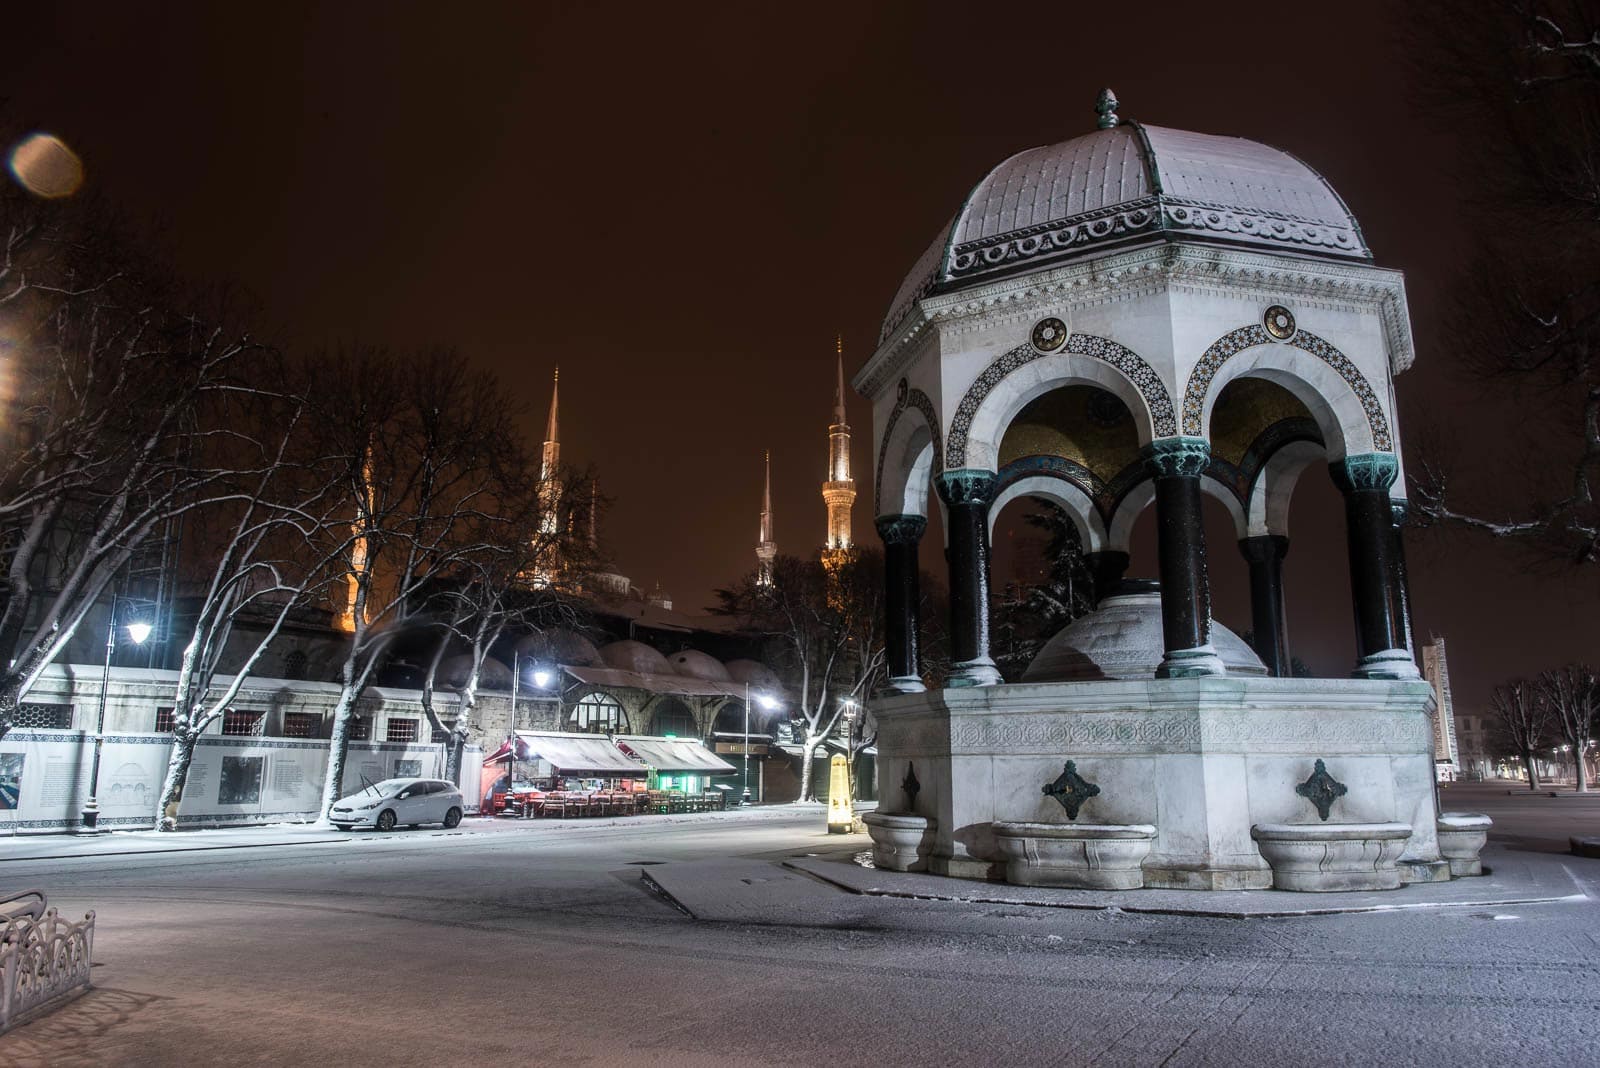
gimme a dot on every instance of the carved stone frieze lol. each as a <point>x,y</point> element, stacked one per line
<point>1210,731</point>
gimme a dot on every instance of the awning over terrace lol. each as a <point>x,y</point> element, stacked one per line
<point>583,755</point>
<point>674,756</point>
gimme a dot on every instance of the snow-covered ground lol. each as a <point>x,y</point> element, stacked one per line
<point>544,946</point>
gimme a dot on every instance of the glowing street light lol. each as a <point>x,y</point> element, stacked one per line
<point>138,633</point>
<point>769,703</point>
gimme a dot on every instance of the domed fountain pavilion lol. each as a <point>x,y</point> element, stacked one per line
<point>1138,316</point>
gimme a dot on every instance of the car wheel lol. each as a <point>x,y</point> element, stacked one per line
<point>387,820</point>
<point>452,818</point>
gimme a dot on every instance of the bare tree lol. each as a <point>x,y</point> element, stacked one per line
<point>426,446</point>
<point>1524,77</point>
<point>1572,696</point>
<point>1524,722</point>
<point>827,627</point>
<point>116,371</point>
<point>271,555</point>
<point>490,594</point>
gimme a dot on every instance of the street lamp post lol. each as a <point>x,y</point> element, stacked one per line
<point>138,631</point>
<point>766,703</point>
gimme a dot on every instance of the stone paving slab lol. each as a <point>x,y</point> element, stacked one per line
<point>1513,879</point>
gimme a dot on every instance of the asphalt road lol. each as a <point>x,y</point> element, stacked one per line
<point>541,946</point>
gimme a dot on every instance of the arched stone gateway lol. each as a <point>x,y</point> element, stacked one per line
<point>1136,318</point>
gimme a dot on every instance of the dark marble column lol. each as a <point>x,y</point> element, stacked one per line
<point>1402,580</point>
<point>1380,646</point>
<point>1176,465</point>
<point>902,602</point>
<point>1106,568</point>
<point>1264,553</point>
<point>966,494</point>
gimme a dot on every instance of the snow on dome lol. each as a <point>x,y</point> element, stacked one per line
<point>558,646</point>
<point>697,665</point>
<point>1122,640</point>
<point>760,678</point>
<point>635,656</point>
<point>1131,183</point>
<point>494,675</point>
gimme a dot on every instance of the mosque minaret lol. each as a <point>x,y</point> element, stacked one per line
<point>839,491</point>
<point>766,546</point>
<point>547,563</point>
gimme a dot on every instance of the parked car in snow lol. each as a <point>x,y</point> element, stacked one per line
<point>389,803</point>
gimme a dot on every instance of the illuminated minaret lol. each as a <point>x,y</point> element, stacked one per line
<point>546,548</point>
<point>766,546</point>
<point>839,491</point>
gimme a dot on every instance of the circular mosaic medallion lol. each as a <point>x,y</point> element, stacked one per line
<point>1279,322</point>
<point>1049,334</point>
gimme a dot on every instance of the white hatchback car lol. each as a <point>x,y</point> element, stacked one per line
<point>387,804</point>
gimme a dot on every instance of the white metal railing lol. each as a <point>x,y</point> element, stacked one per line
<point>42,956</point>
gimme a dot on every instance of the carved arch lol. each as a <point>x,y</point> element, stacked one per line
<point>1357,413</point>
<point>987,409</point>
<point>918,452</point>
<point>1071,494</point>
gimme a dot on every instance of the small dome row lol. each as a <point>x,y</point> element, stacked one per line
<point>567,647</point>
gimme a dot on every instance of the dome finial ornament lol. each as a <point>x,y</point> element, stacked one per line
<point>1105,106</point>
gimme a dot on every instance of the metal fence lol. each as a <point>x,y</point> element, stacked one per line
<point>43,958</point>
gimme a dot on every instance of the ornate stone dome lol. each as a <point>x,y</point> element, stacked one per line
<point>697,665</point>
<point>1131,183</point>
<point>1122,640</point>
<point>635,656</point>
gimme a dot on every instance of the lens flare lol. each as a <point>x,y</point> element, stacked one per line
<point>46,167</point>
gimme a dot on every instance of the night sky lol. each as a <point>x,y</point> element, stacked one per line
<point>682,205</point>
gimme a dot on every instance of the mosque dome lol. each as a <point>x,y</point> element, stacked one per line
<point>1122,640</point>
<point>558,646</point>
<point>1130,183</point>
<point>755,674</point>
<point>636,657</point>
<point>697,665</point>
<point>493,675</point>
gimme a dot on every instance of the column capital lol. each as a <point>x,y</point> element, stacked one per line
<point>1365,471</point>
<point>966,485</point>
<point>1264,548</point>
<point>901,529</point>
<point>1179,457</point>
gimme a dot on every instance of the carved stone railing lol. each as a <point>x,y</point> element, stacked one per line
<point>43,958</point>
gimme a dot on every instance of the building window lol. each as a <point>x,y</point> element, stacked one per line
<point>164,720</point>
<point>302,724</point>
<point>596,713</point>
<point>43,717</point>
<point>240,722</point>
<point>672,717</point>
<point>361,729</point>
<point>401,730</point>
<point>295,665</point>
<point>442,736</point>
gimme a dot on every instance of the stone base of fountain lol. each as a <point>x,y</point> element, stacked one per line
<point>1085,856</point>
